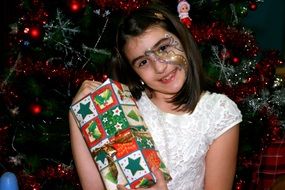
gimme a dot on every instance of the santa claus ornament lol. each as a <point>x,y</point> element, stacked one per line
<point>183,9</point>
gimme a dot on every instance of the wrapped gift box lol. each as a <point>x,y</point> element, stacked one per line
<point>117,137</point>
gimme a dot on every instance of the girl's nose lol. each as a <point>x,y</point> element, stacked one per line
<point>159,65</point>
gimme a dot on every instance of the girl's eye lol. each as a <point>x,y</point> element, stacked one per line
<point>141,63</point>
<point>163,48</point>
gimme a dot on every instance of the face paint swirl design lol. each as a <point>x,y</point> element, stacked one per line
<point>167,50</point>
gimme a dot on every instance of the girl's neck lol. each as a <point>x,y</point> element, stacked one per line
<point>163,103</point>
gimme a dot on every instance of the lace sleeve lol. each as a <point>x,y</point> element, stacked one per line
<point>225,114</point>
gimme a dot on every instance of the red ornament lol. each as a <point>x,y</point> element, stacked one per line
<point>35,32</point>
<point>105,77</point>
<point>236,60</point>
<point>76,5</point>
<point>36,109</point>
<point>252,6</point>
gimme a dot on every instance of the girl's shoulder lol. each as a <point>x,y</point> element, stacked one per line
<point>214,103</point>
<point>213,99</point>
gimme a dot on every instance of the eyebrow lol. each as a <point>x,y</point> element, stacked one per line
<point>153,47</point>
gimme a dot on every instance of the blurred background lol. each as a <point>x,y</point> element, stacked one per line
<point>49,47</point>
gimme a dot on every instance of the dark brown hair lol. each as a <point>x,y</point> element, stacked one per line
<point>134,25</point>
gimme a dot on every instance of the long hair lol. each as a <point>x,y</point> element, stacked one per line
<point>136,24</point>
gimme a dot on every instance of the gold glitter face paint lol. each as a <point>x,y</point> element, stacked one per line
<point>168,50</point>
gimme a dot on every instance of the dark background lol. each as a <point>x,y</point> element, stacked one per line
<point>267,22</point>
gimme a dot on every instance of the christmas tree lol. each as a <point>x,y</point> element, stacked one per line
<point>53,46</point>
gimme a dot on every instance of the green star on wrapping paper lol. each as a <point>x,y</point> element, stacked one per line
<point>84,110</point>
<point>134,165</point>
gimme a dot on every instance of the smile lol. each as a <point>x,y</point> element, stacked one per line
<point>170,77</point>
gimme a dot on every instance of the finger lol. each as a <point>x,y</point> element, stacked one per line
<point>121,187</point>
<point>159,175</point>
<point>96,83</point>
<point>90,84</point>
<point>86,88</point>
<point>160,181</point>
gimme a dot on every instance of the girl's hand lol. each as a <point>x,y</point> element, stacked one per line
<point>87,87</point>
<point>160,182</point>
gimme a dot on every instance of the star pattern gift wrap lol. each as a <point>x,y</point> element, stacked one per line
<point>117,137</point>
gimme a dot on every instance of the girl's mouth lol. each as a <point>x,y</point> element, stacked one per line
<point>170,77</point>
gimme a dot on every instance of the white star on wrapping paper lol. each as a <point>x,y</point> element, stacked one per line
<point>117,112</point>
<point>118,126</point>
<point>105,119</point>
<point>149,142</point>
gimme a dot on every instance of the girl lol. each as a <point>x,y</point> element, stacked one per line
<point>195,131</point>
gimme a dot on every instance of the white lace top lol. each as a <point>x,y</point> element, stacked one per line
<point>184,140</point>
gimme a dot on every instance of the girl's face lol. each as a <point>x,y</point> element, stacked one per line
<point>158,58</point>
